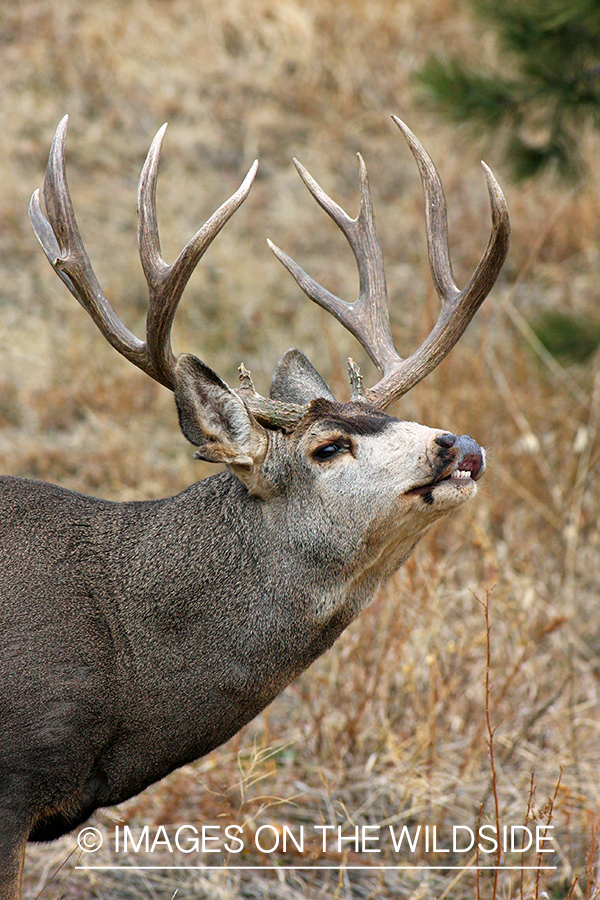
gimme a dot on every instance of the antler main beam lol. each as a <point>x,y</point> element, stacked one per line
<point>368,318</point>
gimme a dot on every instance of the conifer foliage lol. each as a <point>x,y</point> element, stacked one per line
<point>542,91</point>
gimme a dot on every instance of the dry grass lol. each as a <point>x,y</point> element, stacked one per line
<point>390,726</point>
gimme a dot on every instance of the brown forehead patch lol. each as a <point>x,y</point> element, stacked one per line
<point>349,418</point>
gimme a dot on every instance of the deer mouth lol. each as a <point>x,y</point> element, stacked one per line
<point>466,465</point>
<point>469,465</point>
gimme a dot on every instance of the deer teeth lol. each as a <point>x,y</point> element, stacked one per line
<point>462,473</point>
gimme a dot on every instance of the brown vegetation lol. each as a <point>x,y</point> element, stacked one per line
<point>390,726</point>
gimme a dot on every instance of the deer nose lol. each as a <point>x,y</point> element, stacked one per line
<point>446,441</point>
<point>466,453</point>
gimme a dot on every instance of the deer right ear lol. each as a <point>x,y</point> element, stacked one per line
<point>215,419</point>
<point>297,381</point>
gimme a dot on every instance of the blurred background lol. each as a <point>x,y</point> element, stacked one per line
<point>390,726</point>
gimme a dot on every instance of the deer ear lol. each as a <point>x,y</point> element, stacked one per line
<point>215,419</point>
<point>297,381</point>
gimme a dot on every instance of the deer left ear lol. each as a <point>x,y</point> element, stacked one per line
<point>215,419</point>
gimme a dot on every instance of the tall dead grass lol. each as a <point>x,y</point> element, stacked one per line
<point>390,726</point>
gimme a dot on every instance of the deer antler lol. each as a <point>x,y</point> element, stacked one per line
<point>61,241</point>
<point>368,318</point>
<point>62,244</point>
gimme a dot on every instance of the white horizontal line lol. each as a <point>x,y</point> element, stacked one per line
<point>309,868</point>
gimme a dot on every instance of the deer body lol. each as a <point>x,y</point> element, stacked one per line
<point>156,630</point>
<point>136,637</point>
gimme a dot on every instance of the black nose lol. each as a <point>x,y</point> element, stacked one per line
<point>446,440</point>
<point>467,445</point>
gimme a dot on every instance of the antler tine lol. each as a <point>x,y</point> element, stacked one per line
<point>457,307</point>
<point>436,219</point>
<point>167,283</point>
<point>61,241</point>
<point>368,318</point>
<point>148,235</point>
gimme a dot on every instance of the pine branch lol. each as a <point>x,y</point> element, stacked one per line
<point>551,48</point>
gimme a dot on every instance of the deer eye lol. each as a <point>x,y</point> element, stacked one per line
<point>329,450</point>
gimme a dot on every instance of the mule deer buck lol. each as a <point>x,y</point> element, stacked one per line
<point>136,637</point>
